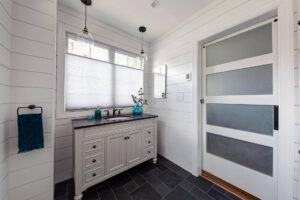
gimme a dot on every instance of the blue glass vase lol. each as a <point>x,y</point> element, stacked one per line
<point>137,110</point>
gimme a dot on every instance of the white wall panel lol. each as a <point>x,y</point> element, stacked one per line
<point>32,81</point>
<point>31,190</point>
<point>5,73</point>
<point>34,16</point>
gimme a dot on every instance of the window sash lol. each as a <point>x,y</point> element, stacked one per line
<point>116,100</point>
<point>111,50</point>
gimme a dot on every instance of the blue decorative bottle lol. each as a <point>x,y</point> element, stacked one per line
<point>137,110</point>
<point>98,113</point>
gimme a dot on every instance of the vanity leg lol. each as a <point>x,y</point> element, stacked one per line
<point>78,197</point>
<point>155,160</point>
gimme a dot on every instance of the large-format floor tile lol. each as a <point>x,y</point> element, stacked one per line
<point>217,195</point>
<point>163,181</point>
<point>200,182</point>
<point>131,186</point>
<point>199,194</point>
<point>119,180</point>
<point>179,194</point>
<point>170,178</point>
<point>91,194</point>
<point>163,189</point>
<point>122,194</point>
<point>153,180</point>
<point>146,192</point>
<point>139,179</point>
<point>60,189</point>
<point>186,185</point>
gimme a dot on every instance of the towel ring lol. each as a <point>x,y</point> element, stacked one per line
<point>30,107</point>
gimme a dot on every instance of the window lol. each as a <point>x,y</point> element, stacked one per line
<point>100,75</point>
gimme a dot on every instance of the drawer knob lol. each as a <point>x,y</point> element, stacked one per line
<point>94,160</point>
<point>149,142</point>
<point>94,146</point>
<point>149,151</point>
<point>149,132</point>
<point>94,174</point>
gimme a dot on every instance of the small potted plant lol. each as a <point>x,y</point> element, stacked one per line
<point>139,101</point>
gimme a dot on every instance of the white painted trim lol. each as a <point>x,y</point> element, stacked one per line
<point>53,99</point>
<point>196,116</point>
<point>241,64</point>
<point>286,99</point>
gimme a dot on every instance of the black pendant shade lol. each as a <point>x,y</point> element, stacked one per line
<point>87,2</point>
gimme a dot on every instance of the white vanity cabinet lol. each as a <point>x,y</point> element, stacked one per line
<point>103,151</point>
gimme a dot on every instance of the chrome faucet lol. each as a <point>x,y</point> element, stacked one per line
<point>114,111</point>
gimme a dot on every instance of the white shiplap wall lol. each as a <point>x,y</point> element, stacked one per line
<point>297,99</point>
<point>5,72</point>
<point>32,82</point>
<point>69,21</point>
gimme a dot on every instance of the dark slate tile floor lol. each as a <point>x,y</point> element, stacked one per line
<point>163,181</point>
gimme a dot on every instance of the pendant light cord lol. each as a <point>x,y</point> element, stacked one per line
<point>85,17</point>
<point>142,41</point>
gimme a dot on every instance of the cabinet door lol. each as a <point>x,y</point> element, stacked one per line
<point>116,152</point>
<point>134,147</point>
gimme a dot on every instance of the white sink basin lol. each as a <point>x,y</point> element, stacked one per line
<point>118,118</point>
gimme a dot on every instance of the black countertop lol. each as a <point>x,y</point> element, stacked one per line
<point>85,123</point>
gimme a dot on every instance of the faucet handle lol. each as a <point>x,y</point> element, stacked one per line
<point>107,113</point>
<point>114,111</point>
<point>119,112</point>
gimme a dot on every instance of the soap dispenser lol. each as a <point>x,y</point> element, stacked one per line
<point>98,113</point>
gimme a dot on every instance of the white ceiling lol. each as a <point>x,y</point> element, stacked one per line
<point>128,15</point>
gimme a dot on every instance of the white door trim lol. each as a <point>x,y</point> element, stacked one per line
<point>286,100</point>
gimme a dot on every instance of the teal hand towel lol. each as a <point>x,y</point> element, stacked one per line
<point>30,132</point>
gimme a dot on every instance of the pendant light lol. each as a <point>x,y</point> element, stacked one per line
<point>143,29</point>
<point>84,35</point>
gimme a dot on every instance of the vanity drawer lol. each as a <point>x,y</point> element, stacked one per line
<point>148,151</point>
<point>148,141</point>
<point>94,161</point>
<point>94,146</point>
<point>93,174</point>
<point>148,132</point>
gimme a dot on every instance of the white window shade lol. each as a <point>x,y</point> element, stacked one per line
<point>91,83</point>
<point>88,83</point>
<point>127,81</point>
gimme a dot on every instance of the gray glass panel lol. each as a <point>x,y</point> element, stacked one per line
<point>253,118</point>
<point>252,43</point>
<point>253,156</point>
<point>248,81</point>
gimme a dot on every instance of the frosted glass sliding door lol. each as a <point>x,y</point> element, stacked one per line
<point>240,92</point>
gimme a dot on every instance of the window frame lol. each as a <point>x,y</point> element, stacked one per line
<point>62,46</point>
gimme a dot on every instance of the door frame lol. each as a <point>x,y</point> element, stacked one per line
<point>283,9</point>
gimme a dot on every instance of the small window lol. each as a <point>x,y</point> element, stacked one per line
<point>128,60</point>
<point>99,53</point>
<point>84,49</point>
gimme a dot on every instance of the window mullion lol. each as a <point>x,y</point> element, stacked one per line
<point>112,59</point>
